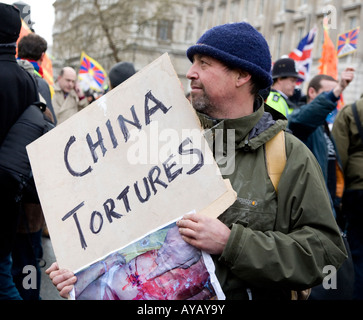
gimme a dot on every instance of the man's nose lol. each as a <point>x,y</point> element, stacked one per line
<point>192,74</point>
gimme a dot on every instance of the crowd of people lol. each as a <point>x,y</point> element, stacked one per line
<point>276,249</point>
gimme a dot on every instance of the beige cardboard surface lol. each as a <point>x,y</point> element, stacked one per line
<point>130,162</point>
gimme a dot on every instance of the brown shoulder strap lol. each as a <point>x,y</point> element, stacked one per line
<point>357,120</point>
<point>276,158</point>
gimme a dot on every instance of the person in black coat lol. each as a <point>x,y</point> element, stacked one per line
<point>17,92</point>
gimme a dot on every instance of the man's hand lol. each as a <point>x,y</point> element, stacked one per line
<point>79,91</point>
<point>62,279</point>
<point>346,78</point>
<point>204,233</point>
<point>174,253</point>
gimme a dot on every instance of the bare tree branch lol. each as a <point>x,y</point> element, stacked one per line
<point>105,28</point>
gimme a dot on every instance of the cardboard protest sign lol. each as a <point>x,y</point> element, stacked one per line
<point>129,163</point>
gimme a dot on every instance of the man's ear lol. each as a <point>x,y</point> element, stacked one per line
<point>40,61</point>
<point>242,78</point>
<point>312,94</point>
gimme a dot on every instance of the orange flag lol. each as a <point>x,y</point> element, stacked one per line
<point>48,70</point>
<point>329,65</point>
<point>47,63</point>
<point>24,31</point>
<point>329,60</point>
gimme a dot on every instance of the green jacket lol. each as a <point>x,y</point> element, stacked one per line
<point>350,146</point>
<point>278,242</point>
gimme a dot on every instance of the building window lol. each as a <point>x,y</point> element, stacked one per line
<point>165,28</point>
<point>189,32</point>
<point>300,33</point>
<point>280,35</point>
<point>246,9</point>
<point>262,7</point>
<point>353,22</point>
<point>283,5</point>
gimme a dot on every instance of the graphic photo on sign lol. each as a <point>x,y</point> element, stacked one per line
<point>160,266</point>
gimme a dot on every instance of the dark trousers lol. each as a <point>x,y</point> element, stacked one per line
<point>8,290</point>
<point>9,214</point>
<point>353,210</point>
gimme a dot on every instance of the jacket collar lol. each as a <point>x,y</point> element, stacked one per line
<point>250,131</point>
<point>58,89</point>
<point>7,53</point>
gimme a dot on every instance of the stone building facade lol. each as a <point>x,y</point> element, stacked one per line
<point>139,31</point>
<point>156,26</point>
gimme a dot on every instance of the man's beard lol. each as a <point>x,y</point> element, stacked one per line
<point>202,104</point>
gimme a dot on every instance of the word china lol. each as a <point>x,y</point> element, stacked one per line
<point>122,121</point>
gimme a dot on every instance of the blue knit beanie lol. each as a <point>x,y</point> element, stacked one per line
<point>237,45</point>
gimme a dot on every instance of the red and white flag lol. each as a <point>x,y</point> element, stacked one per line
<point>302,54</point>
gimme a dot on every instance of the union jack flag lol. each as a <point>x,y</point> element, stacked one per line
<point>302,54</point>
<point>347,42</point>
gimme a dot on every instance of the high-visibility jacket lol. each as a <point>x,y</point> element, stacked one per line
<point>276,101</point>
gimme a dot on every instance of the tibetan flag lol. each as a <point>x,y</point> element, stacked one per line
<point>302,54</point>
<point>329,60</point>
<point>347,42</point>
<point>91,74</point>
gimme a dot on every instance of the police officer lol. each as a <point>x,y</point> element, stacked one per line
<point>285,76</point>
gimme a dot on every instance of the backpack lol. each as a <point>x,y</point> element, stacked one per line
<point>276,161</point>
<point>31,125</point>
<point>357,120</point>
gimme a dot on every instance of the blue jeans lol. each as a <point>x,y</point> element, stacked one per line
<point>352,206</point>
<point>8,290</point>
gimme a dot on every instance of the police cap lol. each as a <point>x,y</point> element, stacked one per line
<point>285,67</point>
